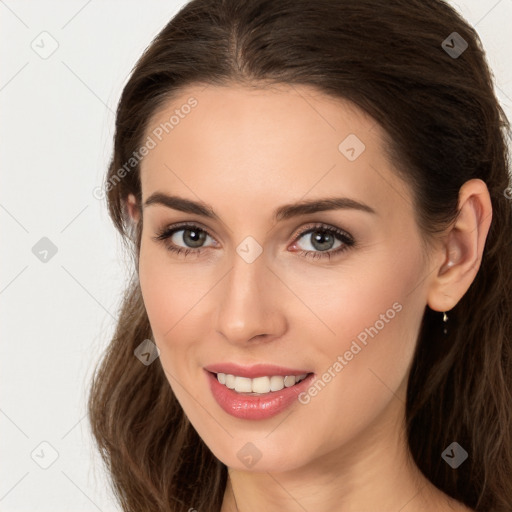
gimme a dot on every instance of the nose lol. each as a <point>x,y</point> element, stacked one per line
<point>250,304</point>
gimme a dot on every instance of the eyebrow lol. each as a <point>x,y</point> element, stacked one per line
<point>284,212</point>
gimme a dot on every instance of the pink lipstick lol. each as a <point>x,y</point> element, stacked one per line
<point>256,392</point>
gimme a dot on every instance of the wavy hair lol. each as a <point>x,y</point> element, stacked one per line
<point>444,126</point>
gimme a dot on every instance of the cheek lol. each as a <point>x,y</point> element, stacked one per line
<point>170,289</point>
<point>366,316</point>
<point>175,297</point>
<point>374,315</point>
<point>158,292</point>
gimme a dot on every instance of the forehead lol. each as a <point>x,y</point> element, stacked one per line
<point>273,144</point>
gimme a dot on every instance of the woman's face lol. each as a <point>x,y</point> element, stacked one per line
<point>260,290</point>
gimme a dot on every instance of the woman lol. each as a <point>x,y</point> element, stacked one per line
<point>316,198</point>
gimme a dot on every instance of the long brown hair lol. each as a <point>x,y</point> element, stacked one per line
<point>444,126</point>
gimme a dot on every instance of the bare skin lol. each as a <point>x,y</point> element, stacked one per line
<point>245,152</point>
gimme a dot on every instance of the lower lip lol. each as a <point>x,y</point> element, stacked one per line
<point>251,407</point>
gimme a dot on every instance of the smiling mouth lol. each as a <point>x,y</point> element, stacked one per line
<point>259,385</point>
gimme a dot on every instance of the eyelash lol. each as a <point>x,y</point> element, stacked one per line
<point>344,237</point>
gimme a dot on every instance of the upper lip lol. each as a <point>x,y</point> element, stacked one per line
<point>253,371</point>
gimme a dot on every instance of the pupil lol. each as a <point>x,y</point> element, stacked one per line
<point>195,239</point>
<point>322,240</point>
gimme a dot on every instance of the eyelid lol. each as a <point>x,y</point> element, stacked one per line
<point>303,230</point>
<point>183,225</point>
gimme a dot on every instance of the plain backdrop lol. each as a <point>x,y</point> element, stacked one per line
<point>63,67</point>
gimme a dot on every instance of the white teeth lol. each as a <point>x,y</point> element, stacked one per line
<point>230,381</point>
<point>243,385</point>
<point>289,380</point>
<point>259,385</point>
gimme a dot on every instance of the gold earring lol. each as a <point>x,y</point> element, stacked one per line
<point>445,320</point>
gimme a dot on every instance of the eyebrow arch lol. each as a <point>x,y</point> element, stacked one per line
<point>284,212</point>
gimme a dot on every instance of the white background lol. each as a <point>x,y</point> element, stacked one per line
<point>57,118</point>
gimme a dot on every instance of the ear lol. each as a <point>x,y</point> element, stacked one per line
<point>461,252</point>
<point>133,208</point>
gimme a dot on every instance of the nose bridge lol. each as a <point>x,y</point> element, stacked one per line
<point>248,303</point>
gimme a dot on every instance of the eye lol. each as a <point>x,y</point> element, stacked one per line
<point>189,234</point>
<point>321,241</point>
